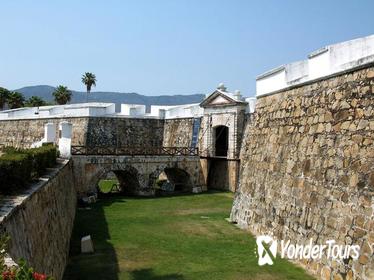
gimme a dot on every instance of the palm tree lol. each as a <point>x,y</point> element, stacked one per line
<point>4,95</point>
<point>16,100</point>
<point>62,95</point>
<point>89,80</point>
<point>35,101</point>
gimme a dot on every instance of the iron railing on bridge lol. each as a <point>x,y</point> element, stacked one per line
<point>135,151</point>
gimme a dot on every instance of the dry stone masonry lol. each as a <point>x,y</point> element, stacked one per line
<point>307,169</point>
<point>40,221</point>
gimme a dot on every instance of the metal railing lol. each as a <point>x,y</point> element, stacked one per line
<point>135,151</point>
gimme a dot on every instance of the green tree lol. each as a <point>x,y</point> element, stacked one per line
<point>89,80</point>
<point>35,101</point>
<point>62,95</point>
<point>16,100</point>
<point>4,95</point>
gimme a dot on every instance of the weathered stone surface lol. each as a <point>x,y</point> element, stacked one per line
<point>102,132</point>
<point>40,222</point>
<point>87,245</point>
<point>178,132</point>
<point>23,133</point>
<point>136,174</point>
<point>312,176</point>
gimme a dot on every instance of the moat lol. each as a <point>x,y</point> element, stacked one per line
<point>175,237</point>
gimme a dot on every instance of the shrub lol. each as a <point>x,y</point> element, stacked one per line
<point>22,272</point>
<point>15,171</point>
<point>42,158</point>
<point>19,166</point>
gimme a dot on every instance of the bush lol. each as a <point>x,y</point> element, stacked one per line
<point>19,166</point>
<point>15,171</point>
<point>42,158</point>
<point>22,272</point>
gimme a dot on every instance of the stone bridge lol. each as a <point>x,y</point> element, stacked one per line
<point>138,175</point>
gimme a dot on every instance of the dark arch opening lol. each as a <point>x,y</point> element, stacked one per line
<point>174,180</point>
<point>128,181</point>
<point>124,182</point>
<point>221,140</point>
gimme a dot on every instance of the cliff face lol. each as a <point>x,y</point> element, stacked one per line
<point>307,169</point>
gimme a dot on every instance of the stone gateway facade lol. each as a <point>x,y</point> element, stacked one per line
<point>307,169</point>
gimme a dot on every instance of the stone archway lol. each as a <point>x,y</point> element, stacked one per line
<point>138,174</point>
<point>127,176</point>
<point>128,180</point>
<point>173,179</point>
<point>180,179</point>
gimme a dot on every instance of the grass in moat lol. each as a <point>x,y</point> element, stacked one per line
<point>106,185</point>
<point>180,237</point>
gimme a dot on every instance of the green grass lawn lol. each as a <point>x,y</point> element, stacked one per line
<point>106,185</point>
<point>180,237</point>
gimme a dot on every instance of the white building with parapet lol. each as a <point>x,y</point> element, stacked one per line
<point>323,62</point>
<point>95,109</point>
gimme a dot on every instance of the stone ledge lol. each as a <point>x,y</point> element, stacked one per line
<point>9,204</point>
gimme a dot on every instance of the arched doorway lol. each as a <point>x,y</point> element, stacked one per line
<point>221,140</point>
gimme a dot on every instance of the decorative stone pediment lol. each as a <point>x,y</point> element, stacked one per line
<point>219,98</point>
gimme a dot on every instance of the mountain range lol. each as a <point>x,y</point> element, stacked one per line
<point>45,92</point>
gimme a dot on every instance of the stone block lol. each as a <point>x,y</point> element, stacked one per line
<point>197,190</point>
<point>87,245</point>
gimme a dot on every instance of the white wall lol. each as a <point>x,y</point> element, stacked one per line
<point>271,82</point>
<point>71,110</point>
<point>132,109</point>
<point>155,110</point>
<point>323,62</point>
<point>297,71</point>
<point>319,64</point>
<point>184,111</point>
<point>251,107</point>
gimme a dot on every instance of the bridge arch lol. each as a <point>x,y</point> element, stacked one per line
<point>171,179</point>
<point>127,176</point>
<point>138,174</point>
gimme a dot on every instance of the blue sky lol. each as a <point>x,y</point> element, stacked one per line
<point>167,46</point>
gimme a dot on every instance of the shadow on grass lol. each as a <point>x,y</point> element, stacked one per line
<point>148,274</point>
<point>103,263</point>
<point>121,196</point>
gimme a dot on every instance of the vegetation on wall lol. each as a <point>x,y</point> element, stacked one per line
<point>20,272</point>
<point>19,166</point>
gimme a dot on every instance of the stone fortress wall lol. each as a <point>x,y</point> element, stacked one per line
<point>40,221</point>
<point>307,169</point>
<point>102,131</point>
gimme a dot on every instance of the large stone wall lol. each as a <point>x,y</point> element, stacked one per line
<point>40,221</point>
<point>124,132</point>
<point>178,132</point>
<point>102,131</point>
<point>24,132</point>
<point>307,169</point>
